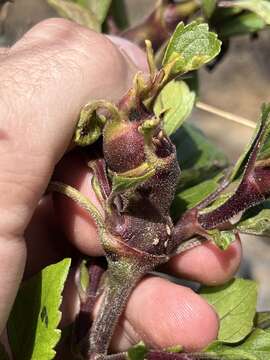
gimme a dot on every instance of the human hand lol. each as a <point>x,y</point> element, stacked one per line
<point>46,78</point>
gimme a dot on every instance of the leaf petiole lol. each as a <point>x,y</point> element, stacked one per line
<point>80,199</point>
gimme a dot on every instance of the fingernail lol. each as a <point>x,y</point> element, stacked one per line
<point>131,51</point>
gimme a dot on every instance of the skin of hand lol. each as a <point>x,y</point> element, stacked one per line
<point>46,78</point>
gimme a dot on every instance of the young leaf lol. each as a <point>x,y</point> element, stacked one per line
<point>190,47</point>
<point>258,224</point>
<point>235,303</point>
<point>255,347</point>
<point>177,101</point>
<point>125,181</point>
<point>33,322</point>
<point>90,124</point>
<point>209,7</point>
<point>100,8</point>
<point>76,13</point>
<point>260,7</point>
<point>89,127</point>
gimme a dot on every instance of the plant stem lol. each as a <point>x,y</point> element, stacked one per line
<point>79,198</point>
<point>122,277</point>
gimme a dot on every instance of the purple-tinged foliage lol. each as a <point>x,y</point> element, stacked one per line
<point>253,189</point>
<point>136,183</point>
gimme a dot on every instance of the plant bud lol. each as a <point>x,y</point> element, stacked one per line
<point>123,146</point>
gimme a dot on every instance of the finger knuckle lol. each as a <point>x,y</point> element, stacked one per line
<point>75,44</point>
<point>51,29</point>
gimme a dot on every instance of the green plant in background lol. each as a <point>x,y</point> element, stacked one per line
<point>145,140</point>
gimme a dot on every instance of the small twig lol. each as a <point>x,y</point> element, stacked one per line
<point>226,115</point>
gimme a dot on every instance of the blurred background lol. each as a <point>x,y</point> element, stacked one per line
<point>239,84</point>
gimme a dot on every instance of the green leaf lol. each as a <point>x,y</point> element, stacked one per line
<point>201,164</point>
<point>89,127</point>
<point>256,221</point>
<point>76,13</point>
<point>119,12</point>
<point>220,200</point>
<point>3,353</point>
<point>100,8</point>
<point>177,101</point>
<point>262,320</point>
<point>131,179</point>
<point>208,7</point>
<point>191,46</point>
<point>198,157</point>
<point>235,303</point>
<point>255,347</point>
<point>240,25</point>
<point>190,197</point>
<point>260,7</point>
<point>222,239</point>
<point>33,322</point>
<point>137,352</point>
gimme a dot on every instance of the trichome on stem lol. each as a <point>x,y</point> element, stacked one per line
<point>135,179</point>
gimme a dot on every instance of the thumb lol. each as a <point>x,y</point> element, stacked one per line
<point>46,78</point>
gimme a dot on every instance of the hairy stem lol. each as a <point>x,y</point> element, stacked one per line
<point>79,198</point>
<point>122,277</point>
